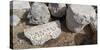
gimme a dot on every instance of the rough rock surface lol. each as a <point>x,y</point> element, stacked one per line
<point>94,25</point>
<point>19,8</point>
<point>39,14</point>
<point>57,10</point>
<point>18,40</point>
<point>78,16</point>
<point>14,20</point>
<point>38,35</point>
<point>20,5</point>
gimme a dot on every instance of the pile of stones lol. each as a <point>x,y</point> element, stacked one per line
<point>76,17</point>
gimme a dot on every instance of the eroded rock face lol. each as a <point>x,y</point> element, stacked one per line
<point>78,16</point>
<point>19,8</point>
<point>57,10</point>
<point>38,35</point>
<point>39,14</point>
<point>93,25</point>
<point>14,20</point>
<point>20,5</point>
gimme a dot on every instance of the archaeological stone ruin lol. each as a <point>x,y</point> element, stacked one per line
<point>40,24</point>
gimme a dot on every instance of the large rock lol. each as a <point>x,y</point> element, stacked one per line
<point>39,14</point>
<point>14,20</point>
<point>38,35</point>
<point>19,8</point>
<point>57,10</point>
<point>78,16</point>
<point>20,5</point>
<point>93,25</point>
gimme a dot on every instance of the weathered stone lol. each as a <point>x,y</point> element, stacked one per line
<point>78,16</point>
<point>57,10</point>
<point>19,8</point>
<point>38,35</point>
<point>19,13</point>
<point>39,14</point>
<point>20,5</point>
<point>93,25</point>
<point>14,20</point>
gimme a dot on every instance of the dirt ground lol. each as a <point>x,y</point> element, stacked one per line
<point>67,38</point>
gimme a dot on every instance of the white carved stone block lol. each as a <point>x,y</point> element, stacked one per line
<point>38,35</point>
<point>78,16</point>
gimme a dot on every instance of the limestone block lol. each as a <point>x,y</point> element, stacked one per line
<point>38,35</point>
<point>78,16</point>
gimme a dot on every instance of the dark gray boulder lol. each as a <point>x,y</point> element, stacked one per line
<point>57,10</point>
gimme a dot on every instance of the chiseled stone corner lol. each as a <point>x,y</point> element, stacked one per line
<point>78,16</point>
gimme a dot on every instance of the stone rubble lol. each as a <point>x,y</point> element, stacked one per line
<point>38,35</point>
<point>39,14</point>
<point>57,10</point>
<point>78,16</point>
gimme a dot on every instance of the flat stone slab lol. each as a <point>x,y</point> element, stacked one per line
<point>38,35</point>
<point>78,16</point>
